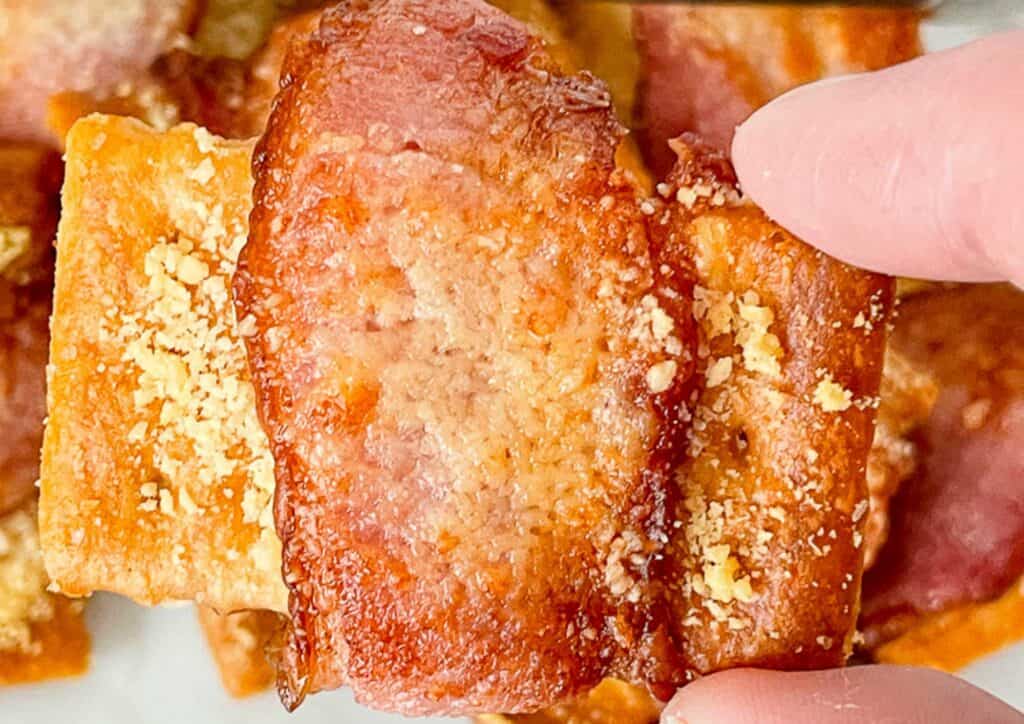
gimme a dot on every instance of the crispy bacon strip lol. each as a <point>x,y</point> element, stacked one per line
<point>471,344</point>
<point>782,427</point>
<point>958,524</point>
<point>85,46</point>
<point>705,69</point>
<point>951,639</point>
<point>459,408</point>
<point>610,702</point>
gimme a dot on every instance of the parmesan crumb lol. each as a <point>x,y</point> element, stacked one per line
<point>718,371</point>
<point>831,396</point>
<point>660,376</point>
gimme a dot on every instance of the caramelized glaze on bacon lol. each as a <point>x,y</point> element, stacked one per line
<point>473,346</point>
<point>463,345</point>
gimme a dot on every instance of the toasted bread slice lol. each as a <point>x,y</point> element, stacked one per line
<point>156,477</point>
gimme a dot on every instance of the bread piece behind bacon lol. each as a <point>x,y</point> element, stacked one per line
<point>238,642</point>
<point>156,476</point>
<point>457,297</point>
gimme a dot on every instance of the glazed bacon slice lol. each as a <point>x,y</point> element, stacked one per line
<point>469,343</point>
<point>765,570</point>
<point>472,347</point>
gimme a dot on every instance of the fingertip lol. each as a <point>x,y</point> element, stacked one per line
<point>912,170</point>
<point>839,696</point>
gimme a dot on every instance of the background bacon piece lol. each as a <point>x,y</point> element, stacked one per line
<point>705,69</point>
<point>29,183</point>
<point>85,46</point>
<point>958,524</point>
<point>906,400</point>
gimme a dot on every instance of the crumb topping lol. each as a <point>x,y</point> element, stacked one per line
<point>192,391</point>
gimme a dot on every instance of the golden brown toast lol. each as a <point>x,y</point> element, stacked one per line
<point>156,477</point>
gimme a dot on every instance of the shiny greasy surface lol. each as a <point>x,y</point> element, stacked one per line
<point>957,532</point>
<point>471,341</point>
<point>704,69</point>
<point>777,451</point>
<point>461,341</point>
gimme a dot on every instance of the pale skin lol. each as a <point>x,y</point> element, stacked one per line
<point>917,171</point>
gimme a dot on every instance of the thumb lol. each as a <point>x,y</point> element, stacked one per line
<point>915,170</point>
<point>858,695</point>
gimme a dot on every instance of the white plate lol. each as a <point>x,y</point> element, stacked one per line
<point>152,666</point>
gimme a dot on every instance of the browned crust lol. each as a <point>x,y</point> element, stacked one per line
<point>610,702</point>
<point>238,642</point>
<point>129,500</point>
